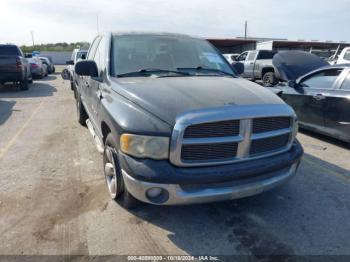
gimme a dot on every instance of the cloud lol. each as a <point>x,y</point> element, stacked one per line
<point>69,21</point>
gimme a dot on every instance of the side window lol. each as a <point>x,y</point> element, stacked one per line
<point>242,57</point>
<point>100,55</point>
<point>265,54</point>
<point>347,55</point>
<point>20,52</point>
<point>346,83</point>
<point>323,80</point>
<point>251,55</point>
<point>92,49</point>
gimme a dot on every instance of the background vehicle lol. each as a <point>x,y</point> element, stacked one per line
<point>48,63</point>
<point>176,126</point>
<point>14,67</point>
<point>231,58</point>
<point>342,58</point>
<point>258,66</point>
<point>318,92</point>
<point>38,68</point>
<point>77,55</point>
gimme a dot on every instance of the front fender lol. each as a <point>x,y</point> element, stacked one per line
<point>123,116</point>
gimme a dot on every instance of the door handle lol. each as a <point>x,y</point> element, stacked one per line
<point>319,97</point>
<point>86,84</point>
<point>251,63</point>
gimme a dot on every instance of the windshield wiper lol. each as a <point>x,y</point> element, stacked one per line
<point>199,68</point>
<point>149,71</point>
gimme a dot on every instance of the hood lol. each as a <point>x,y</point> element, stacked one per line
<point>167,97</point>
<point>291,65</point>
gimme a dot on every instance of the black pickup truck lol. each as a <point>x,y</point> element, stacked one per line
<point>14,67</point>
<point>176,125</point>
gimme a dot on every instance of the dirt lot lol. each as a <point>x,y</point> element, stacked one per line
<point>53,198</point>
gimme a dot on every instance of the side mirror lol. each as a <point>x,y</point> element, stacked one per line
<point>297,86</point>
<point>86,68</point>
<point>70,62</point>
<point>83,56</point>
<point>238,67</point>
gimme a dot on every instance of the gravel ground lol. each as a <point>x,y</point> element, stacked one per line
<point>53,198</point>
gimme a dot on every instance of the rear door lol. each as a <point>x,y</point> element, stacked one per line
<point>337,108</point>
<point>249,64</point>
<point>308,100</point>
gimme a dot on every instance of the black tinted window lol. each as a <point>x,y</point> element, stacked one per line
<point>324,79</point>
<point>346,83</point>
<point>266,55</point>
<point>9,50</point>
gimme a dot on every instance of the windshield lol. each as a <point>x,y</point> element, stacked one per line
<point>133,53</point>
<point>9,50</point>
<point>81,55</point>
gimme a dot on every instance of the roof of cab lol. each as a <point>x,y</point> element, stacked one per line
<point>150,34</point>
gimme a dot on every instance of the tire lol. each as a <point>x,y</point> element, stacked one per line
<point>23,85</point>
<point>269,79</point>
<point>65,74</point>
<point>114,178</point>
<point>81,113</point>
<point>72,85</point>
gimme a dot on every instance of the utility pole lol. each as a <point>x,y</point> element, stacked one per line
<point>97,25</point>
<point>32,34</point>
<point>245,29</point>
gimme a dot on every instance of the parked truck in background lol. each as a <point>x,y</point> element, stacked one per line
<point>176,125</point>
<point>14,67</point>
<point>258,66</point>
<point>342,58</point>
<point>77,55</point>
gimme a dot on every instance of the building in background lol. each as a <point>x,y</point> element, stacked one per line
<point>324,49</point>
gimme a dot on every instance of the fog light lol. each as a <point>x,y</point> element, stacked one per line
<point>157,195</point>
<point>154,192</point>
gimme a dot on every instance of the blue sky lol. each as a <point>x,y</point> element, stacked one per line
<point>70,21</point>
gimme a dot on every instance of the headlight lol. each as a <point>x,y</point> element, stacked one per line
<point>145,146</point>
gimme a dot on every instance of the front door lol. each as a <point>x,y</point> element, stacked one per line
<point>309,98</point>
<point>249,64</point>
<point>337,110</point>
<point>96,84</point>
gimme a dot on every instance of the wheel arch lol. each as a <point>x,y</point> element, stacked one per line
<point>266,70</point>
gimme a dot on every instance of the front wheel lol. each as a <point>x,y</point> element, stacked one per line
<point>269,79</point>
<point>81,113</point>
<point>23,85</point>
<point>114,178</point>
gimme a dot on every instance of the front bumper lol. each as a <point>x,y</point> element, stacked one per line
<point>175,194</point>
<point>209,184</point>
<point>11,77</point>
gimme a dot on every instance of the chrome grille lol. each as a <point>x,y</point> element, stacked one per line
<point>216,129</point>
<point>207,152</point>
<point>270,144</point>
<point>231,134</point>
<point>267,124</point>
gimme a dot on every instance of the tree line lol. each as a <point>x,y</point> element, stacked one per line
<point>58,47</point>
